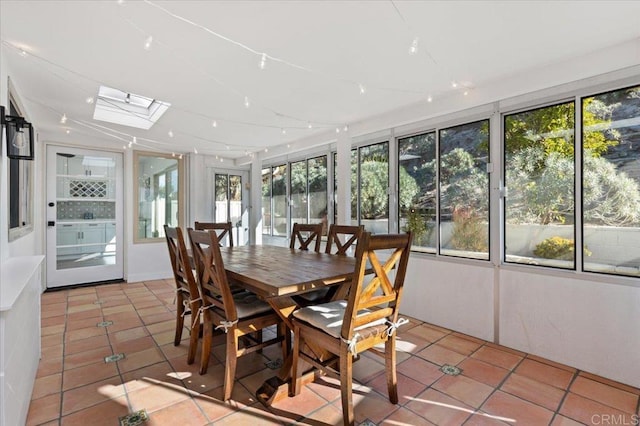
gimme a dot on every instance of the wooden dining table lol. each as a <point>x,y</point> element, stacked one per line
<point>276,274</point>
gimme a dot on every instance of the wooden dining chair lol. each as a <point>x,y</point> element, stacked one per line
<point>305,236</point>
<point>223,229</point>
<point>369,316</point>
<point>238,314</point>
<point>187,293</point>
<point>340,240</point>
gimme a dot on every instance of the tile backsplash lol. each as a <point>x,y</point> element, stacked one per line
<point>86,209</point>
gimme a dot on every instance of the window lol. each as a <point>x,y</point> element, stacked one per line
<point>299,192</point>
<point>539,176</point>
<point>20,190</point>
<point>159,199</point>
<point>611,182</point>
<point>464,190</point>
<point>370,187</point>
<point>417,189</point>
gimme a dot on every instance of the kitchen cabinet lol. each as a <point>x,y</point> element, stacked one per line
<point>83,238</point>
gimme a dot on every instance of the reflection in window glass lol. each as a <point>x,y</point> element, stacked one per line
<point>266,201</point>
<point>464,190</point>
<point>539,176</point>
<point>611,182</point>
<point>354,187</point>
<point>221,188</point>
<point>279,199</point>
<point>417,185</point>
<point>158,195</point>
<point>373,195</point>
<point>299,192</point>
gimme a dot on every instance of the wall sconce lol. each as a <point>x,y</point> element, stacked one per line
<point>19,136</point>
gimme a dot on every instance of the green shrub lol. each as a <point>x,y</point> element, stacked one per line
<point>557,248</point>
<point>469,232</point>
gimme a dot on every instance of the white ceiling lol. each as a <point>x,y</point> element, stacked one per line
<point>318,55</point>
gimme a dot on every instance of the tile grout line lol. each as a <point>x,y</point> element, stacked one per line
<point>564,397</point>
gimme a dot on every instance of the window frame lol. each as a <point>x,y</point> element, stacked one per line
<point>25,186</point>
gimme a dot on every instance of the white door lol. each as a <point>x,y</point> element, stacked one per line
<point>229,202</point>
<point>84,216</point>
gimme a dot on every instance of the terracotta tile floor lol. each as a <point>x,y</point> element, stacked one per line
<point>74,385</point>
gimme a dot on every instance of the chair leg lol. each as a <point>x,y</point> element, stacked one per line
<point>179,318</point>
<point>231,362</point>
<point>296,374</point>
<point>195,334</point>
<point>390,361</point>
<point>207,334</point>
<point>346,373</point>
<point>283,331</point>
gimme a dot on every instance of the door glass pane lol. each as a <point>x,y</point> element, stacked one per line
<point>464,190</point>
<point>235,200</point>
<point>299,192</point>
<point>279,199</point>
<point>221,190</point>
<point>158,198</point>
<point>85,210</point>
<point>266,201</point>
<point>318,190</point>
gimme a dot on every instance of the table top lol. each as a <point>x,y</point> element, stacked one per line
<point>271,271</point>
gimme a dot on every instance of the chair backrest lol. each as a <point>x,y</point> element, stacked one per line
<point>212,277</point>
<point>376,289</point>
<point>182,272</point>
<point>306,235</point>
<point>350,235</point>
<point>223,229</point>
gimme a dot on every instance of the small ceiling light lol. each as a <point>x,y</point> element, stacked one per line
<point>309,125</point>
<point>222,160</point>
<point>170,133</point>
<point>362,88</point>
<point>246,152</point>
<point>247,104</point>
<point>120,1</point>
<point>68,131</point>
<point>263,61</point>
<point>228,147</point>
<point>63,119</point>
<point>266,150</point>
<point>147,43</point>
<point>23,53</point>
<point>414,47</point>
<point>195,150</point>
<point>454,84</point>
<point>337,129</point>
<point>217,156</point>
<point>346,128</point>
<point>89,99</point>
<point>288,145</point>
<point>124,147</point>
<point>466,92</point>
<point>214,124</point>
<point>130,144</point>
<point>173,154</point>
<point>284,131</point>
<point>135,140</point>
<point>180,156</point>
<point>429,98</point>
<point>127,99</point>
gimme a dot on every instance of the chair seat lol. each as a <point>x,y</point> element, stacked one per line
<point>329,316</point>
<point>248,304</point>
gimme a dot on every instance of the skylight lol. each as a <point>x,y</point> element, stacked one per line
<point>128,109</point>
